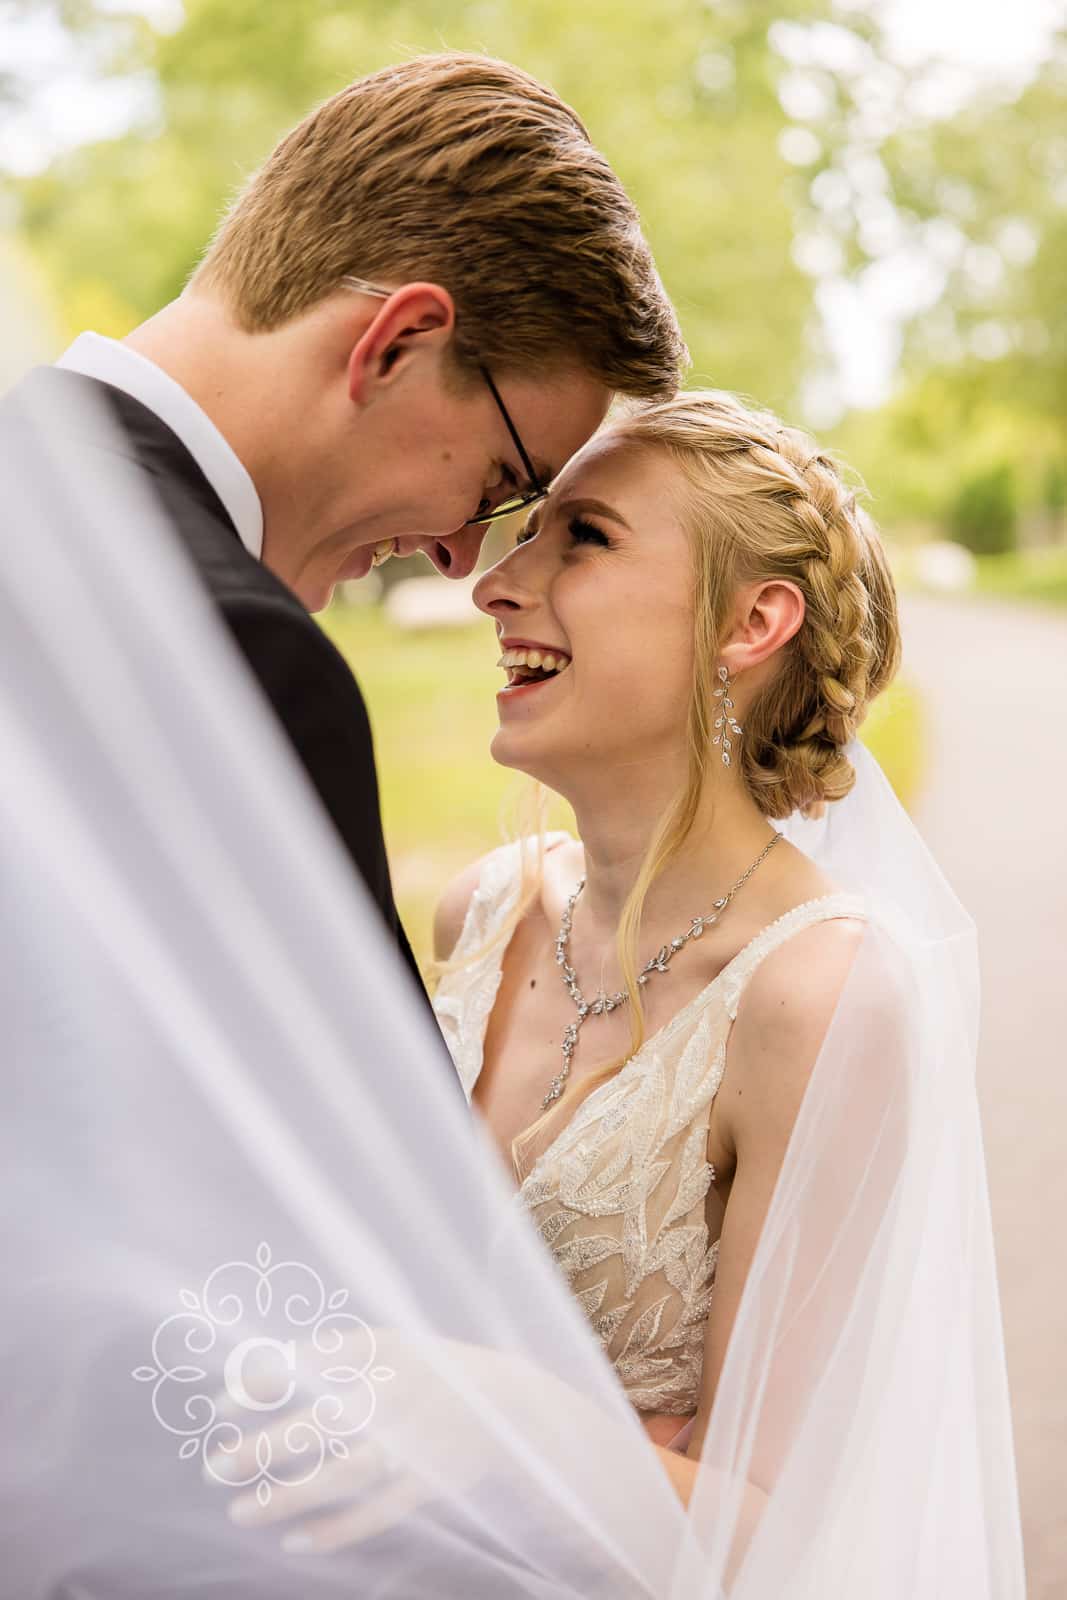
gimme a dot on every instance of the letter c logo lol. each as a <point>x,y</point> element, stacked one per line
<point>233,1372</point>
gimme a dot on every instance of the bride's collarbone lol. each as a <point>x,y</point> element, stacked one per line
<point>534,999</point>
<point>799,880</point>
<point>533,1007</point>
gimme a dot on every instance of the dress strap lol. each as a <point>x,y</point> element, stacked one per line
<point>737,972</point>
<point>497,891</point>
<point>465,995</point>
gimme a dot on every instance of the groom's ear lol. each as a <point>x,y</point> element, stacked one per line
<point>416,319</point>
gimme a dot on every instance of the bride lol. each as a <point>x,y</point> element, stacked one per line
<point>277,1318</point>
<point>692,626</point>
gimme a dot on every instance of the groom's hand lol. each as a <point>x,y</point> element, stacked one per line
<point>343,1503</point>
<point>341,1478</point>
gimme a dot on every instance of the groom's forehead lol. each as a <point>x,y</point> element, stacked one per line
<point>561,416</point>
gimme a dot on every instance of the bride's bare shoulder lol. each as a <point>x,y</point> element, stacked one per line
<point>455,901</point>
<point>782,1020</point>
<point>452,908</point>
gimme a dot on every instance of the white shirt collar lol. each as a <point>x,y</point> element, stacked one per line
<point>124,368</point>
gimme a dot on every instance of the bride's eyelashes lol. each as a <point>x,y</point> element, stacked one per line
<point>581,532</point>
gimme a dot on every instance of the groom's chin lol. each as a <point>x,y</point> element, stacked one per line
<point>315,594</point>
<point>357,564</point>
<point>315,590</point>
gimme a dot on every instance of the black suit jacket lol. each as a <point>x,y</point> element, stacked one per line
<point>305,678</point>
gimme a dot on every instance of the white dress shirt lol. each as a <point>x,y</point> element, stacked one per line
<point>126,369</point>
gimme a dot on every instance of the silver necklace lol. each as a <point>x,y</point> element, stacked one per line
<point>657,963</point>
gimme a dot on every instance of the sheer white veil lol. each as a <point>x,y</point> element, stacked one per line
<point>247,1220</point>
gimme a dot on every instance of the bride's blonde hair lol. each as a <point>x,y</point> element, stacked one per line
<point>761,502</point>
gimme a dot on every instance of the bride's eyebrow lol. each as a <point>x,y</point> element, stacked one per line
<point>597,507</point>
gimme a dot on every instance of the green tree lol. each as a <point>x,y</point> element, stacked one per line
<point>982,196</point>
<point>985,515</point>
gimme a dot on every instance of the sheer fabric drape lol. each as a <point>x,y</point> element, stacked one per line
<point>244,1225</point>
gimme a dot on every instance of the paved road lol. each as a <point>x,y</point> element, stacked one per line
<point>994,811</point>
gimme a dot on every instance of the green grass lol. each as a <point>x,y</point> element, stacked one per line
<point>1038,576</point>
<point>444,801</point>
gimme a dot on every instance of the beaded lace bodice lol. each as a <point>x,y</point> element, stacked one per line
<point>619,1193</point>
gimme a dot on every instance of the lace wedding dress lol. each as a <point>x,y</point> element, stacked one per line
<point>619,1193</point>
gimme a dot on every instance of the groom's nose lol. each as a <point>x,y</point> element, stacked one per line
<point>456,556</point>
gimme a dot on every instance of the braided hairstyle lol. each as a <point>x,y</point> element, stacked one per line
<point>764,502</point>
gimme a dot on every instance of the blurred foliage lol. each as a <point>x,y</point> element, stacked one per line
<point>975,204</point>
<point>1054,493</point>
<point>432,703</point>
<point>936,433</point>
<point>1036,576</point>
<point>984,515</point>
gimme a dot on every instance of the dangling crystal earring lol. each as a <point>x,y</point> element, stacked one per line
<point>726,723</point>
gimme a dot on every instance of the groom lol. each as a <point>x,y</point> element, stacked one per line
<point>413,314</point>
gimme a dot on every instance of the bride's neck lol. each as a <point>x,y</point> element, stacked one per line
<point>727,835</point>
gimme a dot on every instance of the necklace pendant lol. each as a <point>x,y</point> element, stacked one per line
<point>553,1094</point>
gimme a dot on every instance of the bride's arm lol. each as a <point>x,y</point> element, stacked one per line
<point>780,1026</point>
<point>781,1023</point>
<point>773,1045</point>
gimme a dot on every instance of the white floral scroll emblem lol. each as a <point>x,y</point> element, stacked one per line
<point>256,1340</point>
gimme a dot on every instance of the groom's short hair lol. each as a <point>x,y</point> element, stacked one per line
<point>464,171</point>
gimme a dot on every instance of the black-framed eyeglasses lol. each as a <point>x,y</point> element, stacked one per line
<point>515,502</point>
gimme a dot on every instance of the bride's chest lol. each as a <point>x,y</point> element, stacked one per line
<point>522,1050</point>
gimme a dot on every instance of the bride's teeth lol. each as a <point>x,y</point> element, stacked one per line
<point>545,660</point>
<point>382,551</point>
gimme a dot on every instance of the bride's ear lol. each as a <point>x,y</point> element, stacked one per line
<point>417,321</point>
<point>770,614</point>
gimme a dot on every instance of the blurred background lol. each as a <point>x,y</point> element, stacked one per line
<point>860,210</point>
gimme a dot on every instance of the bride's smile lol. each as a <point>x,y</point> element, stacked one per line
<point>529,664</point>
